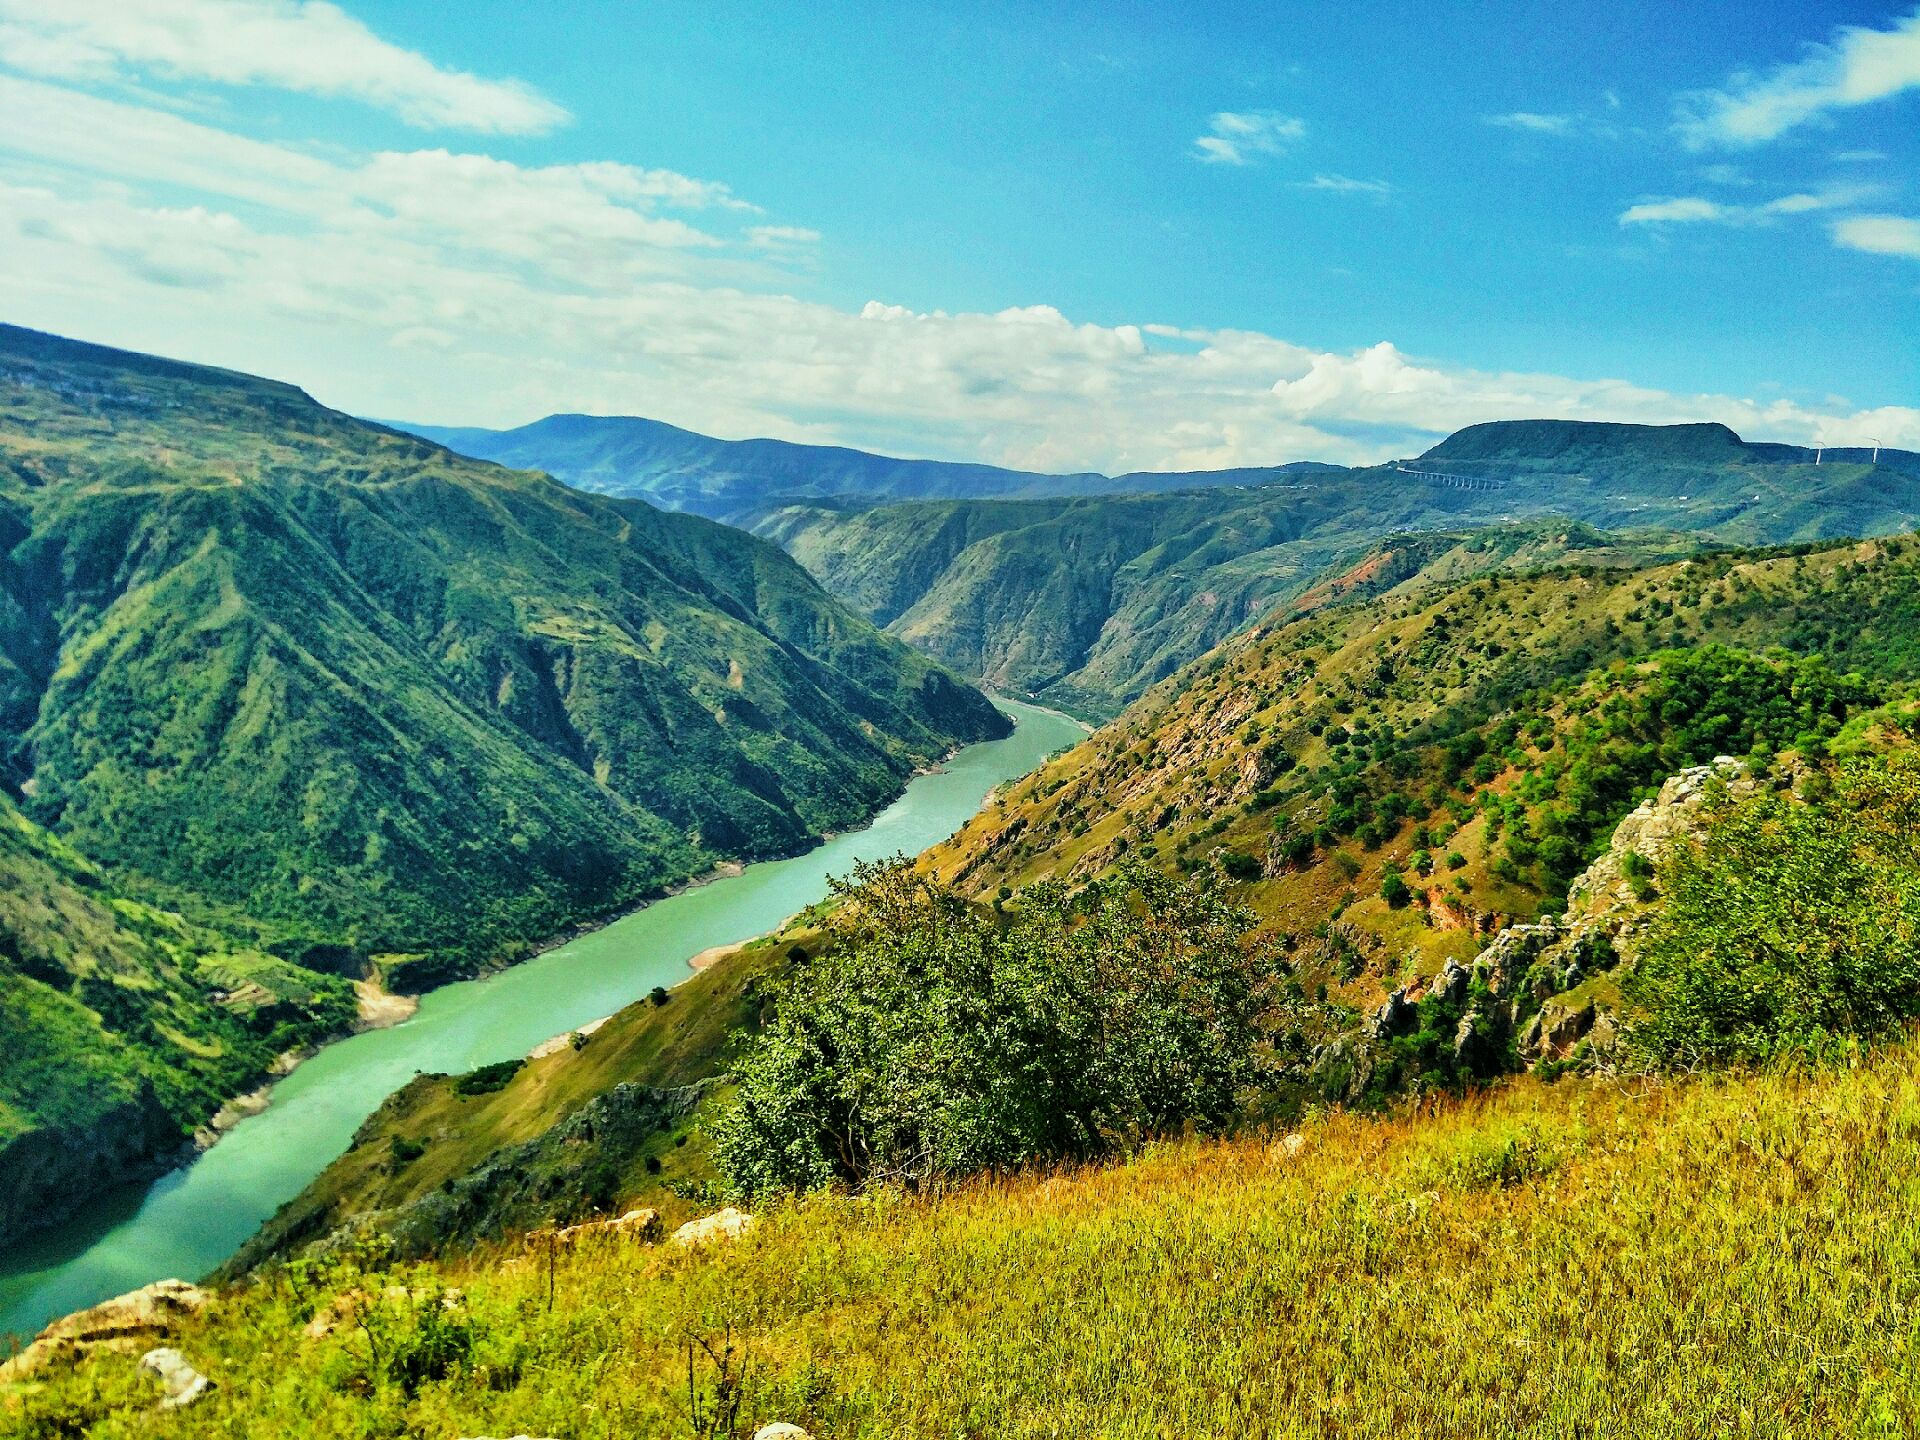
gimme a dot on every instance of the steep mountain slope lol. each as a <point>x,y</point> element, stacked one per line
<point>1086,602</point>
<point>340,694</point>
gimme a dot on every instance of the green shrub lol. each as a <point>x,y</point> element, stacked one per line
<point>487,1079</point>
<point>1239,866</point>
<point>1793,928</point>
<point>938,1040</point>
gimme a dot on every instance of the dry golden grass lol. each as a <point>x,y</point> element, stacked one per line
<point>1717,1256</point>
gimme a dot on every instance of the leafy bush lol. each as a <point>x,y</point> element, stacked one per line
<point>940,1040</point>
<point>487,1079</point>
<point>1792,928</point>
<point>1239,866</point>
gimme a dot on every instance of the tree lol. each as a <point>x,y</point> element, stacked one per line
<point>938,1039</point>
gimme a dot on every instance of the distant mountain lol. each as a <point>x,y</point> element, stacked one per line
<point>732,480</point>
<point>1562,446</point>
<point>349,700</point>
<point>1086,601</point>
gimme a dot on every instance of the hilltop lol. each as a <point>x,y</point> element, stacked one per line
<point>339,697</point>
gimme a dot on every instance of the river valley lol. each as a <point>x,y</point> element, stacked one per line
<point>191,1219</point>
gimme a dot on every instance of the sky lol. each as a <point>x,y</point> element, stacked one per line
<point>1055,236</point>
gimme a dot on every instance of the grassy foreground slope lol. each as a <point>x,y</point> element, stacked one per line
<point>362,706</point>
<point>1736,1255</point>
<point>1088,601</point>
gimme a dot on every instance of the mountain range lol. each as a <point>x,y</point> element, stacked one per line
<point>734,480</point>
<point>1084,599</point>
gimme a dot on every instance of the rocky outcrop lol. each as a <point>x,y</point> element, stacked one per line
<point>182,1382</point>
<point>127,1322</point>
<point>638,1224</point>
<point>1526,998</point>
<point>727,1224</point>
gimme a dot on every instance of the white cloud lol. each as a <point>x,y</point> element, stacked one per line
<point>1529,120</point>
<point>1347,185</point>
<point>1858,67</point>
<point>1858,157</point>
<point>465,289</point>
<point>1381,385</point>
<point>304,45</point>
<point>1693,209</point>
<point>775,237</point>
<point>1880,235</point>
<point>1240,137</point>
<point>597,217</point>
<point>1681,210</point>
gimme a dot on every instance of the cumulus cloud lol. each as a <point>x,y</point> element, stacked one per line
<point>1382,386</point>
<point>1880,235</point>
<point>1857,67</point>
<point>467,289</point>
<point>304,45</point>
<point>1241,137</point>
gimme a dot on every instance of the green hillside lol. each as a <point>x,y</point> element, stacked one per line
<point>1086,602</point>
<point>124,1025</point>
<point>353,700</point>
<point>1220,1015</point>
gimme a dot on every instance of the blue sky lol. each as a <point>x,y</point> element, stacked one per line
<point>1106,236</point>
